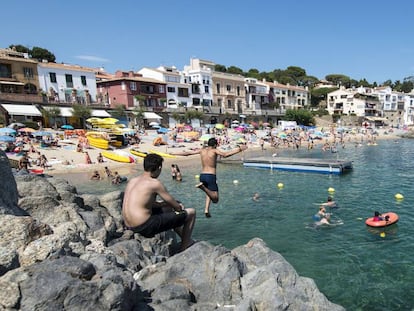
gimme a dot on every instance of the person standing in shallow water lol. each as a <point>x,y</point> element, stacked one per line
<point>208,181</point>
<point>144,215</point>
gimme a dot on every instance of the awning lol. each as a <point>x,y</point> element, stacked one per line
<point>99,113</point>
<point>22,110</point>
<point>151,115</point>
<point>376,119</point>
<point>11,82</point>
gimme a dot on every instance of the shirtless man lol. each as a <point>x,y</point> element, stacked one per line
<point>208,181</point>
<point>144,215</point>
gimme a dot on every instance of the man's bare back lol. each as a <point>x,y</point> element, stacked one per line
<point>139,198</point>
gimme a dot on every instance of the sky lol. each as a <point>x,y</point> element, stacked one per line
<point>360,39</point>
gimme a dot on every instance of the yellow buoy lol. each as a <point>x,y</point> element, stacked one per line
<point>399,196</point>
<point>382,234</point>
<point>330,189</point>
<point>235,181</point>
<point>280,185</point>
<point>197,176</point>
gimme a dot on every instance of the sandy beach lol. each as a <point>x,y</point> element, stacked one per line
<point>64,158</point>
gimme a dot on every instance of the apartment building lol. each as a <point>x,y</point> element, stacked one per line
<point>178,93</point>
<point>65,83</point>
<point>199,75</point>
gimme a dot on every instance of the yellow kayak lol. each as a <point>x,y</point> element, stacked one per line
<point>163,154</point>
<point>118,156</point>
<point>138,153</point>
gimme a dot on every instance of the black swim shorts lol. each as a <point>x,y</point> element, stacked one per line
<point>160,222</point>
<point>210,181</point>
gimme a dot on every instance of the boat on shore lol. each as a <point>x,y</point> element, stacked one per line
<point>163,154</point>
<point>103,140</point>
<point>138,153</point>
<point>118,156</point>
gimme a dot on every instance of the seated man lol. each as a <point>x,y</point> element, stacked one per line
<point>144,215</point>
<point>377,217</point>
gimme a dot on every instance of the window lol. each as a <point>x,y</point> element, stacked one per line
<point>148,89</point>
<point>218,88</point>
<point>5,71</point>
<point>161,89</point>
<point>171,89</point>
<point>28,72</point>
<point>229,104</point>
<point>182,92</point>
<point>228,87</point>
<point>83,80</point>
<point>69,80</point>
<point>206,89</point>
<point>52,76</point>
<point>238,90</point>
<point>133,86</point>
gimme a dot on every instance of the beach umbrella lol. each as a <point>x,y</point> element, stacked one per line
<point>162,130</point>
<point>7,130</point>
<point>26,130</point>
<point>67,127</point>
<point>7,139</point>
<point>153,123</point>
<point>219,126</point>
<point>42,133</point>
<point>156,126</point>
<point>205,137</point>
<point>94,120</point>
<point>235,121</point>
<point>16,125</point>
<point>109,120</point>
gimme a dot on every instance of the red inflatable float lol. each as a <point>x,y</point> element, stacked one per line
<point>387,219</point>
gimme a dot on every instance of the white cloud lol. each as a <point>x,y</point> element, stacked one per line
<point>93,58</point>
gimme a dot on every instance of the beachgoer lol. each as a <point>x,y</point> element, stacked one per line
<point>116,180</point>
<point>322,217</point>
<point>208,182</point>
<point>79,148</point>
<point>96,176</point>
<point>108,172</point>
<point>144,215</point>
<point>330,203</point>
<point>173,172</point>
<point>87,158</point>
<point>24,162</point>
<point>378,217</point>
<point>261,142</point>
<point>99,158</point>
<point>178,175</point>
<point>256,196</point>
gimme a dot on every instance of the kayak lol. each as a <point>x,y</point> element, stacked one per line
<point>138,153</point>
<point>163,154</point>
<point>118,156</point>
<point>392,219</point>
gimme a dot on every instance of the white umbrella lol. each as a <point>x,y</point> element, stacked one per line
<point>153,123</point>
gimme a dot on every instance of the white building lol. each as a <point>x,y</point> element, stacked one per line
<point>353,102</point>
<point>199,75</point>
<point>178,92</point>
<point>67,83</point>
<point>257,94</point>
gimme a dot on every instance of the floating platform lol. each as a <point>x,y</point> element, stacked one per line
<point>323,166</point>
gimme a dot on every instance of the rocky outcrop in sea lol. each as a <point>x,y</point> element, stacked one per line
<point>60,250</point>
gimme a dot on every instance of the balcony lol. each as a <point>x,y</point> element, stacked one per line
<point>22,98</point>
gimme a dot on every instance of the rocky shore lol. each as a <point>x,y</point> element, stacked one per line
<point>63,251</point>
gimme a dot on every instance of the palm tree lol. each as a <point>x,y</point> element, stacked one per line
<point>81,112</point>
<point>51,113</point>
<point>139,115</point>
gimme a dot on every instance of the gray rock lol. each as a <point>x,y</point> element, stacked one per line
<point>8,191</point>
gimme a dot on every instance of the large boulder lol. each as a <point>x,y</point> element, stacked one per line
<point>250,277</point>
<point>8,190</point>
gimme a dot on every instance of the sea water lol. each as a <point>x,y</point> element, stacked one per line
<point>358,267</point>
